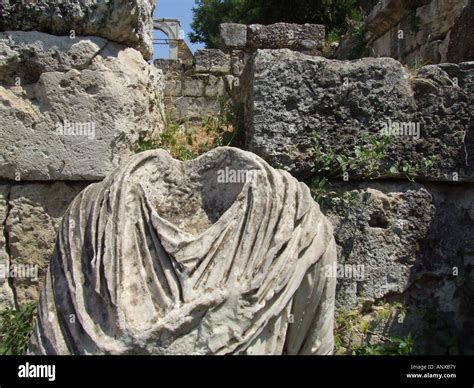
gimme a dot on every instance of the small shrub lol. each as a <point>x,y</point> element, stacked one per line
<point>365,160</point>
<point>353,333</point>
<point>410,170</point>
<point>186,141</point>
<point>15,329</point>
<point>394,346</point>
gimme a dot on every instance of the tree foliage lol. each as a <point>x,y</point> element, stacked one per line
<point>208,14</point>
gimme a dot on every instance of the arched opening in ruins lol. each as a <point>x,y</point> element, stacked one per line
<point>167,32</point>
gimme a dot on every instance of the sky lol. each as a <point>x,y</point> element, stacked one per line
<point>174,9</point>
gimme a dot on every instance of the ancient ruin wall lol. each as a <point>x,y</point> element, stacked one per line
<point>72,108</point>
<point>415,32</point>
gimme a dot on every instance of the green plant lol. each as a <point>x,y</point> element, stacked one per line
<point>186,141</point>
<point>334,36</point>
<point>410,170</point>
<point>354,332</point>
<point>344,328</point>
<point>415,68</point>
<point>144,144</point>
<point>221,125</point>
<point>359,34</point>
<point>366,160</point>
<point>15,329</point>
<point>328,164</point>
<point>394,346</point>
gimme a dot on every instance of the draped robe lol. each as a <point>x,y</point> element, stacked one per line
<point>162,258</point>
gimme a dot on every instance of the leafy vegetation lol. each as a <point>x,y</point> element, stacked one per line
<point>367,160</point>
<point>209,14</point>
<point>15,329</point>
<point>393,347</point>
<point>186,141</point>
<point>354,333</point>
<point>410,170</point>
<point>359,33</point>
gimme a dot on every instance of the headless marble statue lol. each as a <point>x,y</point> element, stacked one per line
<point>169,257</point>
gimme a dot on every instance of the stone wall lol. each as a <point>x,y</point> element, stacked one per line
<point>72,108</point>
<point>417,32</point>
<point>415,243</point>
<point>306,38</point>
<point>30,216</point>
<point>67,110</point>
<point>122,21</point>
<point>289,95</point>
<point>414,240</point>
<point>194,90</point>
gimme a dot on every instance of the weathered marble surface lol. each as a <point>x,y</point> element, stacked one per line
<point>168,257</point>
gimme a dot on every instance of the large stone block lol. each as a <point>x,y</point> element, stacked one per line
<point>195,85</point>
<point>71,109</point>
<point>123,21</point>
<point>212,61</point>
<point>461,49</point>
<point>35,213</point>
<point>412,243</point>
<point>299,37</point>
<point>439,16</point>
<point>173,87</point>
<point>292,98</point>
<point>174,73</point>
<point>413,32</point>
<point>192,108</point>
<point>379,230</point>
<point>234,36</point>
<point>170,67</point>
<point>215,87</point>
<point>387,13</point>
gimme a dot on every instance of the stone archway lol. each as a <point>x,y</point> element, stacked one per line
<point>171,28</point>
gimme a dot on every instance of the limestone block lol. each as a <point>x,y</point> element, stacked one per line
<point>193,108</point>
<point>123,21</point>
<point>300,37</point>
<point>215,87</point>
<point>35,212</point>
<point>71,109</point>
<point>212,61</point>
<point>195,85</point>
<point>291,98</point>
<point>234,36</point>
<point>438,17</point>
<point>413,243</point>
<point>461,49</point>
